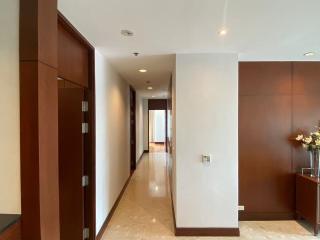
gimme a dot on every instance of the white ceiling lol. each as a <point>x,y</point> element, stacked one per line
<point>257,30</point>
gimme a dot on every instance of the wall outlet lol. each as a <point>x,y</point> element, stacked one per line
<point>240,208</point>
<point>206,158</point>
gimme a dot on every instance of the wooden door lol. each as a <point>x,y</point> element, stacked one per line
<point>132,129</point>
<point>71,163</point>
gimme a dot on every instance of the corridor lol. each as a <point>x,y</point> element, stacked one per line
<point>144,212</point>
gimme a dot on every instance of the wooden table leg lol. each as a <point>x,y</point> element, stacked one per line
<point>316,229</point>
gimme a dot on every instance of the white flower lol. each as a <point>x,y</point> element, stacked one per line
<point>317,142</point>
<point>299,137</point>
<point>316,134</point>
<point>307,140</point>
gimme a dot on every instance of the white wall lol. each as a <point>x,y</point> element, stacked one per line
<point>139,126</point>
<point>206,88</point>
<point>112,137</point>
<point>9,108</point>
<point>145,125</point>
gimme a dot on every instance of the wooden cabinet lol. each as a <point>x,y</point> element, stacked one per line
<point>307,199</point>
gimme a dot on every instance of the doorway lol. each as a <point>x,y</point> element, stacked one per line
<point>133,163</point>
<point>158,125</point>
<point>76,134</point>
<point>157,130</point>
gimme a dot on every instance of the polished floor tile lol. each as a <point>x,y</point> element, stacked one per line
<point>144,212</point>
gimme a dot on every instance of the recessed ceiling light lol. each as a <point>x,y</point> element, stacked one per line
<point>126,33</point>
<point>149,88</point>
<point>309,54</point>
<point>142,70</point>
<point>223,32</point>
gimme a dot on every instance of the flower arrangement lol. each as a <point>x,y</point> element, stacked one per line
<point>310,142</point>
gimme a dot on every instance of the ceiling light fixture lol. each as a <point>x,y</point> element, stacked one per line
<point>142,70</point>
<point>149,88</point>
<point>223,32</point>
<point>309,54</point>
<point>126,33</point>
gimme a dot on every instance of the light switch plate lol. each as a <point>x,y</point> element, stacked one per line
<point>206,158</point>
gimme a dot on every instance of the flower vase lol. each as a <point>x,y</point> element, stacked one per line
<point>316,163</point>
<point>311,162</point>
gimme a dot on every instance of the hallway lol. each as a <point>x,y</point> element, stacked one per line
<point>144,212</point>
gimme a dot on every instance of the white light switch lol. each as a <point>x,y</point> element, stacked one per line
<point>206,158</point>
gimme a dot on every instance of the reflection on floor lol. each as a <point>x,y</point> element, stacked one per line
<point>157,147</point>
<point>144,212</point>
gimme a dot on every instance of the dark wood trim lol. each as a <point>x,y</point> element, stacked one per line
<point>148,127</point>
<point>133,130</point>
<point>115,205</point>
<point>71,29</point>
<point>145,151</point>
<point>173,212</point>
<point>265,216</point>
<point>214,232</point>
<point>90,163</point>
<point>157,104</point>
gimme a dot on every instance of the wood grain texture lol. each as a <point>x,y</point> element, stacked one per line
<point>261,78</point>
<point>277,100</point>
<point>73,58</point>
<point>29,150</point>
<point>38,31</point>
<point>307,190</point>
<point>265,178</point>
<point>12,233</point>
<point>89,140</point>
<point>38,124</point>
<point>71,163</point>
<point>48,152</point>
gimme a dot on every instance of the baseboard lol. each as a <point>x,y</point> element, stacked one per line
<point>107,220</point>
<point>213,232</point>
<point>265,216</point>
<point>198,232</point>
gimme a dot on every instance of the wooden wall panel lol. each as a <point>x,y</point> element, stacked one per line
<point>277,100</point>
<point>265,179</point>
<point>48,152</point>
<point>306,77</point>
<point>306,102</point>
<point>157,104</point>
<point>259,78</point>
<point>38,120</point>
<point>38,31</point>
<point>73,58</point>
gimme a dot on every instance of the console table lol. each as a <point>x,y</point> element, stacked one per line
<point>307,200</point>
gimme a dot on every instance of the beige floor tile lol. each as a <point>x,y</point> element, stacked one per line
<point>144,212</point>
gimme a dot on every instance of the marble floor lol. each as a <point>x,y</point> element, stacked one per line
<point>144,212</point>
